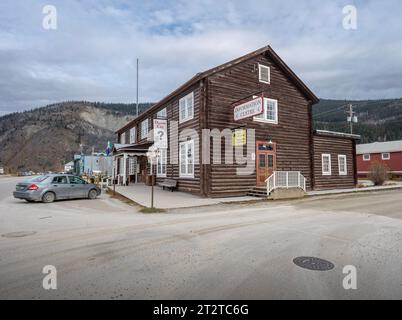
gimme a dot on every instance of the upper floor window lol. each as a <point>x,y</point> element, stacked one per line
<point>385,156</point>
<point>133,134</point>
<point>162,113</point>
<point>144,129</point>
<point>186,108</point>
<point>366,157</point>
<point>326,164</point>
<point>343,171</point>
<point>264,74</point>
<point>123,138</point>
<point>270,113</point>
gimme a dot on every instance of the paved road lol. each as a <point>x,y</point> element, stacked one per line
<point>106,249</point>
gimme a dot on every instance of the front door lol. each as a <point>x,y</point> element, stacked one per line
<point>265,161</point>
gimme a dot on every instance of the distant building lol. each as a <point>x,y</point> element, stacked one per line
<point>1,170</point>
<point>96,163</point>
<point>69,167</point>
<point>389,153</point>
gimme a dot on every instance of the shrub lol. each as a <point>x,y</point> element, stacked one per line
<point>378,173</point>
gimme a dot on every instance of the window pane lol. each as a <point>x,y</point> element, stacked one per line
<point>270,161</point>
<point>262,163</point>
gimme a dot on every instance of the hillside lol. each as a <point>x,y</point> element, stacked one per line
<point>378,120</point>
<point>43,139</point>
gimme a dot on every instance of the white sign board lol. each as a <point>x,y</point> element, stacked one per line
<point>160,134</point>
<point>249,109</point>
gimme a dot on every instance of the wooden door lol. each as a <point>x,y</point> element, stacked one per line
<point>265,161</point>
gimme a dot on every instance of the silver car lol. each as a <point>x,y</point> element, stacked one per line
<point>51,187</point>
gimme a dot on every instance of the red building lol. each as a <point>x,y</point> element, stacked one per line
<point>389,153</point>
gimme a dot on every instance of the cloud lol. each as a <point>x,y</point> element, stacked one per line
<point>91,56</point>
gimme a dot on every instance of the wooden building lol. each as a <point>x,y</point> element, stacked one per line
<point>388,153</point>
<point>284,137</point>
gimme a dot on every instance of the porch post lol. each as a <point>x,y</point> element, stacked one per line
<point>124,169</point>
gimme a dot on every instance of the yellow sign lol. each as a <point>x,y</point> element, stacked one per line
<point>239,137</point>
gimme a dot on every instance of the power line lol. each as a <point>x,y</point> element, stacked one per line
<point>329,111</point>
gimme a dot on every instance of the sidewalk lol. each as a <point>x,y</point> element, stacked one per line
<point>354,190</point>
<point>164,199</point>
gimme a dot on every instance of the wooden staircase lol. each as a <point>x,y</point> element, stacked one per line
<point>258,191</point>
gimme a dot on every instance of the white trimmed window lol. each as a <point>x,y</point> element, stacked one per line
<point>326,164</point>
<point>264,74</point>
<point>144,129</point>
<point>123,138</point>
<point>385,156</point>
<point>187,159</point>
<point>132,163</point>
<point>366,157</point>
<point>186,108</point>
<point>343,170</point>
<point>161,163</point>
<point>133,135</point>
<point>270,114</point>
<point>161,114</point>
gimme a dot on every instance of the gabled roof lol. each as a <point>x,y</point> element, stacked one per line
<point>199,76</point>
<point>379,147</point>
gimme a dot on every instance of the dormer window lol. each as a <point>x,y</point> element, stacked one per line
<point>264,74</point>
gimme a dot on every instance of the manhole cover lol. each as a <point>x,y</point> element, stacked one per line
<point>20,234</point>
<point>313,263</point>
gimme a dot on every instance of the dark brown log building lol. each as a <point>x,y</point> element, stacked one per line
<point>284,135</point>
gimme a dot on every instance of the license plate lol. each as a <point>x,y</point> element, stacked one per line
<point>20,188</point>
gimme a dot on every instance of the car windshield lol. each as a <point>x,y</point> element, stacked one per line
<point>38,179</point>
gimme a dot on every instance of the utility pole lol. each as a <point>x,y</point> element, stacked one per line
<point>352,118</point>
<point>136,107</point>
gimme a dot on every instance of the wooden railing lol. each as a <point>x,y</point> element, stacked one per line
<point>285,180</point>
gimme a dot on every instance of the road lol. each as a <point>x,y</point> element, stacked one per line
<point>105,249</point>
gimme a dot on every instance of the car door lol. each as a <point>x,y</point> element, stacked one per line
<point>60,187</point>
<point>78,187</point>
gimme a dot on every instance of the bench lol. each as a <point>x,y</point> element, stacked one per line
<point>169,184</point>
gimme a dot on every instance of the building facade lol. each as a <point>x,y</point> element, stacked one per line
<point>388,153</point>
<point>280,138</point>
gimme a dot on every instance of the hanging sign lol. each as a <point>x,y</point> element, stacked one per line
<point>160,134</point>
<point>249,109</point>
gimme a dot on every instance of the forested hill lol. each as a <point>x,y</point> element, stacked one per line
<point>378,120</point>
<point>45,138</point>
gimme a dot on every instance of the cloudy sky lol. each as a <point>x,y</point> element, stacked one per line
<point>92,53</point>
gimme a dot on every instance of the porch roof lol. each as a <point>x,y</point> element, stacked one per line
<point>138,149</point>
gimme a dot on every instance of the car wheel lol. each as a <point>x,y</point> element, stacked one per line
<point>48,197</point>
<point>92,194</point>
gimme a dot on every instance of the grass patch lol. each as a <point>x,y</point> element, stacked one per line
<point>151,210</point>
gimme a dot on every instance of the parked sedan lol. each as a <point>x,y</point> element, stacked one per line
<point>51,187</point>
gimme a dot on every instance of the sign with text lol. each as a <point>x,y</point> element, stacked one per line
<point>160,133</point>
<point>249,109</point>
<point>239,137</point>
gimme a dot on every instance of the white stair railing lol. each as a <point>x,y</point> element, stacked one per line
<point>285,180</point>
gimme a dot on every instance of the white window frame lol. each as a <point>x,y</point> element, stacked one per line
<point>366,154</point>
<point>186,103</point>
<point>329,172</point>
<point>161,163</point>
<point>132,165</point>
<point>263,117</point>
<point>133,135</point>
<point>260,68</point>
<point>384,158</point>
<point>144,129</point>
<point>162,114</point>
<point>186,145</point>
<point>345,171</point>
